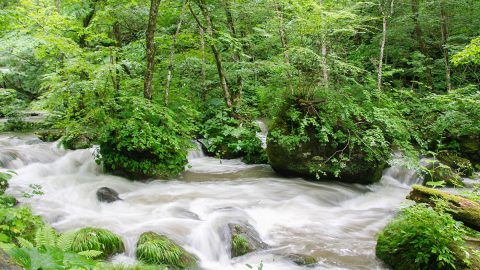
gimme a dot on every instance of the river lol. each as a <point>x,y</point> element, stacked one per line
<point>336,223</point>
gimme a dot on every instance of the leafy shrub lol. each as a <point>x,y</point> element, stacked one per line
<point>4,177</point>
<point>158,249</point>
<point>17,222</point>
<point>228,137</point>
<point>422,238</point>
<point>144,140</point>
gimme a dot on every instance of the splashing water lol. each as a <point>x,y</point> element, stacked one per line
<point>336,223</point>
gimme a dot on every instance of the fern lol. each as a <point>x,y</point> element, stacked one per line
<point>46,236</point>
<point>91,254</point>
<point>24,242</point>
<point>65,240</point>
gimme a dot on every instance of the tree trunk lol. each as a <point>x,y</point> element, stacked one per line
<point>418,35</point>
<point>203,74</point>
<point>218,58</point>
<point>386,15</point>
<point>117,34</point>
<point>324,50</point>
<point>237,94</point>
<point>172,53</point>
<point>460,208</point>
<point>284,40</point>
<point>444,30</point>
<point>150,44</point>
<point>57,6</point>
<point>86,22</point>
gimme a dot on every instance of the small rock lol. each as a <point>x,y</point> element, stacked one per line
<point>108,195</point>
<point>303,260</point>
<point>244,239</point>
<point>6,263</point>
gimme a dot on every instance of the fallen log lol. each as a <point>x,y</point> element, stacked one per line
<point>461,209</point>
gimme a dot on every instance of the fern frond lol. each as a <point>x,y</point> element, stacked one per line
<point>65,240</point>
<point>24,242</point>
<point>91,254</point>
<point>46,236</point>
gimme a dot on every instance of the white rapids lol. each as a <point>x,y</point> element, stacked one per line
<point>336,223</point>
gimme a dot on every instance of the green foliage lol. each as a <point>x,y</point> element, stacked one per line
<point>424,238</point>
<point>145,140</point>
<point>228,137</point>
<point>470,54</point>
<point>47,257</point>
<point>96,239</point>
<point>17,222</point>
<point>157,249</point>
<point>4,177</point>
<point>240,246</point>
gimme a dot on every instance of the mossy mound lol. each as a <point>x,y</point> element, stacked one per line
<point>437,171</point>
<point>244,239</point>
<point>49,135</point>
<point>421,238</point>
<point>153,248</point>
<point>303,260</point>
<point>7,201</point>
<point>97,239</point>
<point>470,148</point>
<point>461,165</point>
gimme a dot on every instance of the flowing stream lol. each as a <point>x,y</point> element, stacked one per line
<point>336,223</point>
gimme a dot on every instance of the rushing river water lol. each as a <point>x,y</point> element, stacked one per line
<point>336,223</point>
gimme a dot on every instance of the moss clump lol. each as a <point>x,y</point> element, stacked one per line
<point>240,246</point>
<point>49,135</point>
<point>422,238</point>
<point>97,239</point>
<point>153,248</point>
<point>7,201</point>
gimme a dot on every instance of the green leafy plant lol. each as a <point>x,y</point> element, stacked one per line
<point>4,177</point>
<point>157,249</point>
<point>94,239</point>
<point>424,238</point>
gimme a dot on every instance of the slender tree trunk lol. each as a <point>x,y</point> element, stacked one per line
<point>172,53</point>
<point>216,53</point>
<point>57,5</point>
<point>284,40</point>
<point>324,50</point>
<point>203,74</point>
<point>444,30</point>
<point>114,59</point>
<point>386,15</point>
<point>419,37</point>
<point>150,44</point>
<point>237,94</point>
<point>86,22</point>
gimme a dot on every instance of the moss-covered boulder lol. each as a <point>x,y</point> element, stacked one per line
<point>244,239</point>
<point>470,149</point>
<point>422,238</point>
<point>153,248</point>
<point>97,239</point>
<point>7,201</point>
<point>49,135</point>
<point>310,160</point>
<point>436,171</point>
<point>302,259</point>
<point>461,165</point>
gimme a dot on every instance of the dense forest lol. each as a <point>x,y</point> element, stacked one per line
<point>347,90</point>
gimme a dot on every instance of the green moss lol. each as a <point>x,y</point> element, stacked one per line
<point>97,239</point>
<point>421,238</point>
<point>49,135</point>
<point>240,246</point>
<point>461,165</point>
<point>7,201</point>
<point>153,248</point>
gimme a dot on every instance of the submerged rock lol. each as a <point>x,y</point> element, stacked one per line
<point>244,239</point>
<point>108,195</point>
<point>6,262</point>
<point>302,259</point>
<point>153,248</point>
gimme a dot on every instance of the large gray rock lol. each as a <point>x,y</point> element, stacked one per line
<point>244,239</point>
<point>6,262</point>
<point>108,195</point>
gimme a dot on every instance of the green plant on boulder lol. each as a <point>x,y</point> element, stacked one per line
<point>439,172</point>
<point>240,246</point>
<point>244,239</point>
<point>153,248</point>
<point>461,165</point>
<point>87,239</point>
<point>423,238</point>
